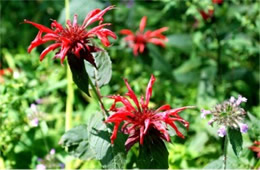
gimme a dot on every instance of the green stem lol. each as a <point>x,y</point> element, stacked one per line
<point>70,93</point>
<point>96,92</point>
<point>225,152</point>
<point>44,140</point>
<point>70,90</point>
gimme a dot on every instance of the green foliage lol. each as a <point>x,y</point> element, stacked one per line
<point>93,141</point>
<point>79,73</point>
<point>153,154</point>
<point>236,140</point>
<point>203,63</point>
<point>101,74</point>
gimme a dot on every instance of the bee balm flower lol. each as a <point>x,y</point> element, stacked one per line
<point>73,39</point>
<point>138,41</point>
<point>140,120</point>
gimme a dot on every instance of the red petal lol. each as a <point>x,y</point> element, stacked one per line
<point>39,26</point>
<point>75,20</point>
<point>158,32</point>
<point>157,41</point>
<point>48,49</point>
<point>163,107</point>
<point>161,128</point>
<point>141,48</point>
<point>90,15</point>
<point>173,112</point>
<point>176,129</point>
<point>56,25</point>
<point>131,94</point>
<point>95,29</point>
<point>141,135</point>
<point>62,54</point>
<point>119,116</point>
<point>124,100</point>
<point>135,49</point>
<point>149,90</point>
<point>114,134</point>
<point>95,15</point>
<point>126,32</point>
<point>131,141</point>
<point>142,24</point>
<point>146,125</point>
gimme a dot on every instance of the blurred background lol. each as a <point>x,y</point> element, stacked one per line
<point>212,54</point>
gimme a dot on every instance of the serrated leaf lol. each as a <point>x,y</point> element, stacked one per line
<point>153,154</point>
<point>76,140</point>
<point>236,140</point>
<point>81,8</point>
<point>103,72</point>
<point>112,157</point>
<point>79,73</point>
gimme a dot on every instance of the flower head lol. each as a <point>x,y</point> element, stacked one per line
<point>217,1</point>
<point>73,39</point>
<point>207,15</point>
<point>140,120</point>
<point>256,148</point>
<point>228,114</point>
<point>139,40</point>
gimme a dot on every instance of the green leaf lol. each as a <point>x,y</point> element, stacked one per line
<point>79,73</point>
<point>236,140</point>
<point>76,140</point>
<point>189,71</point>
<point>102,74</point>
<point>158,61</point>
<point>182,42</point>
<point>112,157</point>
<point>153,154</point>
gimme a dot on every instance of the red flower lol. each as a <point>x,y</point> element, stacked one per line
<point>256,148</point>
<point>207,15</point>
<point>217,1</point>
<point>138,41</point>
<point>141,120</point>
<point>73,39</point>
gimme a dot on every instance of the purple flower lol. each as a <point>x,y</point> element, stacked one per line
<point>34,122</point>
<point>40,167</point>
<point>243,127</point>
<point>52,152</point>
<point>240,99</point>
<point>62,166</point>
<point>204,113</point>
<point>222,131</point>
<point>210,122</point>
<point>33,107</point>
<point>232,99</point>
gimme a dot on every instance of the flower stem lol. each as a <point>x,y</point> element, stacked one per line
<point>70,93</point>
<point>70,90</point>
<point>225,152</point>
<point>98,95</point>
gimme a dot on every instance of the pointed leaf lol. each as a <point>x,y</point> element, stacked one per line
<point>112,157</point>
<point>76,140</point>
<point>102,74</point>
<point>236,140</point>
<point>153,154</point>
<point>79,73</point>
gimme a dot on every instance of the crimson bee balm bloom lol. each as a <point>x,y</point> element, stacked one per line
<point>138,40</point>
<point>140,120</point>
<point>73,39</point>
